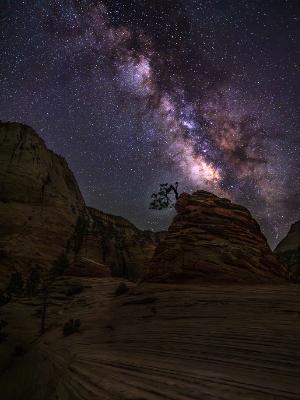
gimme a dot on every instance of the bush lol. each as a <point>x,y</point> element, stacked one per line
<point>71,327</point>
<point>19,351</point>
<point>74,290</point>
<point>121,289</point>
<point>4,298</point>
<point>60,266</point>
<point>33,283</point>
<point>3,335</point>
<point>16,284</point>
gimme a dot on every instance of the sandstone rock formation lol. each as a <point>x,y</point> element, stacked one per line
<point>288,251</point>
<point>43,214</point>
<point>213,239</point>
<point>124,248</point>
<point>39,200</point>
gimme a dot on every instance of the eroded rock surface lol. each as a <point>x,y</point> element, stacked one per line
<point>213,239</point>
<point>155,342</point>
<point>124,248</point>
<point>40,201</point>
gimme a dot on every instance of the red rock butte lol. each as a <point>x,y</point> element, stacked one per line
<point>212,238</point>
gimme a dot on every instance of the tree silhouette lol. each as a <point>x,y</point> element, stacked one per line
<point>166,197</point>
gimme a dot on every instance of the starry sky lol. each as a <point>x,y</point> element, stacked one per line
<point>134,93</point>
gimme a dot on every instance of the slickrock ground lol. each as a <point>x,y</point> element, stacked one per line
<point>158,341</point>
<point>211,238</point>
<point>288,251</point>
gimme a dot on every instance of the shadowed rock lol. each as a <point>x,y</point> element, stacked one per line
<point>288,251</point>
<point>43,214</point>
<point>40,200</point>
<point>156,342</point>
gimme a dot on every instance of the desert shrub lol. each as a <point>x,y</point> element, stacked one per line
<point>19,351</point>
<point>4,297</point>
<point>60,266</point>
<point>3,335</point>
<point>121,289</point>
<point>33,283</point>
<point>74,290</point>
<point>16,284</point>
<point>71,327</point>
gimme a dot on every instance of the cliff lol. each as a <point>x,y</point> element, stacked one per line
<point>119,244</point>
<point>43,215</point>
<point>40,200</point>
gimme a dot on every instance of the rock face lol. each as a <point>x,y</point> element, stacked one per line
<point>119,244</point>
<point>213,239</point>
<point>288,251</point>
<point>43,214</point>
<point>40,201</point>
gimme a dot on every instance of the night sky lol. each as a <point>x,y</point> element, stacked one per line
<point>136,93</point>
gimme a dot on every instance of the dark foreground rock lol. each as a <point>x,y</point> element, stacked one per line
<point>155,342</point>
<point>214,239</point>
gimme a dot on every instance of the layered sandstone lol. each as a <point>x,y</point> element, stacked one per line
<point>155,342</point>
<point>40,200</point>
<point>119,244</point>
<point>43,215</point>
<point>213,239</point>
<point>288,251</point>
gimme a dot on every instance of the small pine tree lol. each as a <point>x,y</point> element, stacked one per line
<point>60,265</point>
<point>3,335</point>
<point>33,283</point>
<point>16,284</point>
<point>5,297</point>
<point>71,326</point>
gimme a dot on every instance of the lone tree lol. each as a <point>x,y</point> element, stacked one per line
<point>166,197</point>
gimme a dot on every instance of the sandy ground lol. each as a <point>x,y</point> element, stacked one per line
<point>158,341</point>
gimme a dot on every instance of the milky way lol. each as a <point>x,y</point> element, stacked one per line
<point>136,93</point>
